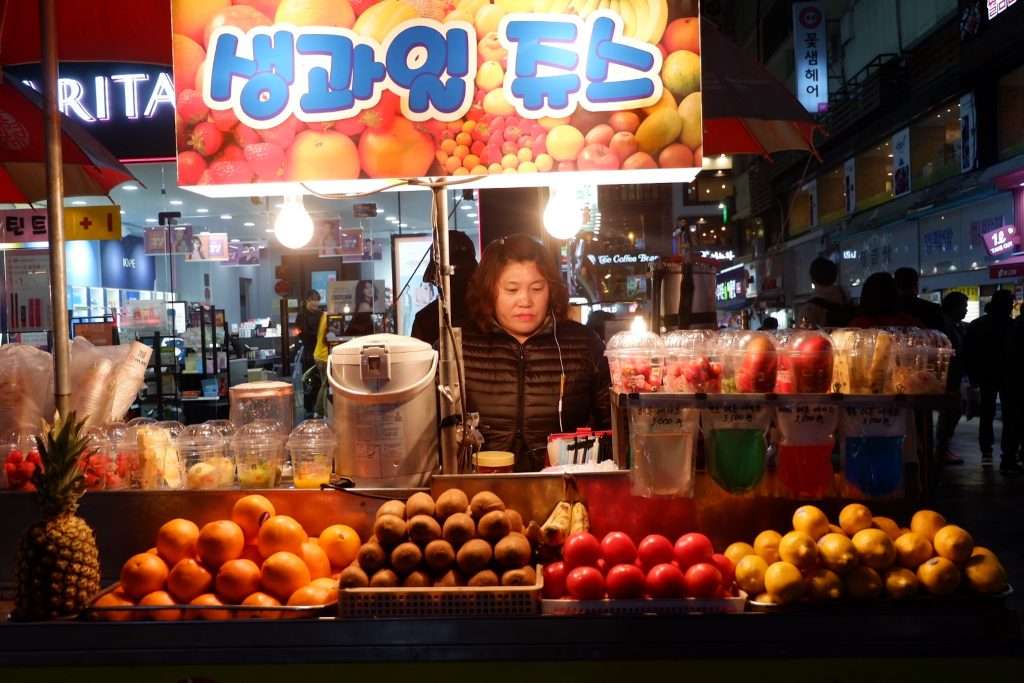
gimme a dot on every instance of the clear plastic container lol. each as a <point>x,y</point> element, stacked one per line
<point>224,427</point>
<point>21,460</point>
<point>97,461</point>
<point>204,451</point>
<point>805,363</point>
<point>692,362</point>
<point>921,362</point>
<point>124,454</point>
<point>258,448</point>
<point>311,447</point>
<point>254,401</point>
<point>862,361</point>
<point>751,363</point>
<point>635,358</point>
<point>159,465</point>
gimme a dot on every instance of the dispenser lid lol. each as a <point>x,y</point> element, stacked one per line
<point>401,349</point>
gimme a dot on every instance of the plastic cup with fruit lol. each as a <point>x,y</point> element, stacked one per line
<point>862,360</point>
<point>692,363</point>
<point>311,447</point>
<point>258,450</point>
<point>804,363</point>
<point>21,461</point>
<point>751,363</point>
<point>204,451</point>
<point>636,359</point>
<point>921,364</point>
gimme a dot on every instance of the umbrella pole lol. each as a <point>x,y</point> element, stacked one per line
<point>55,206</point>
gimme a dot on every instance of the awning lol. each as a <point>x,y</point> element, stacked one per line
<point>1011,267</point>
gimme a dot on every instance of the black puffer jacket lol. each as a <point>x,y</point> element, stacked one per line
<point>515,386</point>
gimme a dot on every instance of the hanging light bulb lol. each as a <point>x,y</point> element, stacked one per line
<point>293,226</point>
<point>563,215</point>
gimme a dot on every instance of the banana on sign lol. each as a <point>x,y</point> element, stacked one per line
<point>504,91</point>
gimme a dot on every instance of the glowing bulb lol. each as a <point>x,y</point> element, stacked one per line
<point>293,226</point>
<point>638,326</point>
<point>563,216</point>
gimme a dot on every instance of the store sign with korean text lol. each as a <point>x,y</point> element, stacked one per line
<point>80,223</point>
<point>731,286</point>
<point>1002,241</point>
<point>486,91</point>
<point>997,7</point>
<point>810,45</point>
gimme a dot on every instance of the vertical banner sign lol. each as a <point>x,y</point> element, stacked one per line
<point>968,134</point>
<point>900,148</point>
<point>503,92</point>
<point>850,185</point>
<point>811,189</point>
<point>810,44</point>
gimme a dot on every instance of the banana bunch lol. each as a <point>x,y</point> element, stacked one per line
<point>643,20</point>
<point>378,20</point>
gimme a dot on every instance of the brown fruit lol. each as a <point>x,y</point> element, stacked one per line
<point>353,577</point>
<point>419,504</point>
<point>515,520</point>
<point>417,579</point>
<point>451,502</point>
<point>439,556</point>
<point>371,557</point>
<point>450,580</point>
<point>385,578</point>
<point>493,526</point>
<point>423,529</point>
<point>392,507</point>
<point>485,502</point>
<point>474,556</point>
<point>484,578</point>
<point>524,576</point>
<point>513,551</point>
<point>458,529</point>
<point>406,557</point>
<point>390,530</point>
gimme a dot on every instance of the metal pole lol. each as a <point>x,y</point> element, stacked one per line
<point>447,370</point>
<point>55,206</point>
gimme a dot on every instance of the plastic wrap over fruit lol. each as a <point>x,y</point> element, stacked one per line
<point>692,362</point>
<point>636,359</point>
<point>805,363</point>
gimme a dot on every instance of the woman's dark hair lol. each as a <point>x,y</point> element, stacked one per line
<point>312,294</point>
<point>879,295</point>
<point>359,291</point>
<point>518,248</point>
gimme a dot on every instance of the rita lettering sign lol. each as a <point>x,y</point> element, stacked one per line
<point>1002,241</point>
<point>501,92</point>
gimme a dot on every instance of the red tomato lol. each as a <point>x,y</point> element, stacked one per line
<point>554,580</point>
<point>693,548</point>
<point>654,550</point>
<point>665,581</point>
<point>618,548</point>
<point>581,550</point>
<point>625,581</point>
<point>585,583</point>
<point>702,580</point>
<point>725,566</point>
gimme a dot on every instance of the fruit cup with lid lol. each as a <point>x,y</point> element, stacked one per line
<point>208,465</point>
<point>805,363</point>
<point>258,448</point>
<point>311,447</point>
<point>635,359</point>
<point>692,362</point>
<point>751,363</point>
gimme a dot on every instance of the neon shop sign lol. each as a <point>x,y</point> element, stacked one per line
<point>556,64</point>
<point>132,96</point>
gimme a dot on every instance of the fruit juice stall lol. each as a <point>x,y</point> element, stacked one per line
<point>719,524</point>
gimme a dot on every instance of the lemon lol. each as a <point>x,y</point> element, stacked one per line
<point>939,576</point>
<point>901,583</point>
<point>912,550</point>
<point>874,548</point>
<point>798,549</point>
<point>766,545</point>
<point>927,523</point>
<point>825,584</point>
<point>854,517</point>
<point>784,582</point>
<point>953,543</point>
<point>888,526</point>
<point>863,583</point>
<point>750,572</point>
<point>837,552</point>
<point>737,551</point>
<point>984,574</point>
<point>810,520</point>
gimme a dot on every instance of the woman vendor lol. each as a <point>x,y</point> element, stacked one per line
<point>530,371</point>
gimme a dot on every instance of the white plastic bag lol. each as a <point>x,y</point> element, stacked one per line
<point>26,388</point>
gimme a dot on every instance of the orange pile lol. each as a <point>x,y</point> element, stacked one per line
<point>255,558</point>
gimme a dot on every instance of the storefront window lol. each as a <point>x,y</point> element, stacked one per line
<point>874,176</point>
<point>935,146</point>
<point>831,196</point>
<point>801,214</point>
<point>1010,112</point>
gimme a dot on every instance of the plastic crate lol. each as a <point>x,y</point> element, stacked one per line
<point>643,606</point>
<point>195,612</point>
<point>462,601</point>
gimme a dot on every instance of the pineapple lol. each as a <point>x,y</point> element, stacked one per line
<point>58,567</point>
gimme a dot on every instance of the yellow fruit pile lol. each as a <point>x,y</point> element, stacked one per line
<point>863,558</point>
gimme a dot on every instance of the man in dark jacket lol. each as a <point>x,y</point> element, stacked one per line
<point>954,308</point>
<point>908,283</point>
<point>989,359</point>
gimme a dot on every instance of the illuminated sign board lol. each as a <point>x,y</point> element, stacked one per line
<point>731,286</point>
<point>810,45</point>
<point>997,7</point>
<point>1002,241</point>
<point>621,259</point>
<point>80,223</point>
<point>727,255</point>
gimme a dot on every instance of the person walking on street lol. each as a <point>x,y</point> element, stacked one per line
<point>954,308</point>
<point>909,286</point>
<point>878,305</point>
<point>308,322</point>
<point>988,354</point>
<point>829,307</point>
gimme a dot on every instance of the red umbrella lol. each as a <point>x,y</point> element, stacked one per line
<point>89,169</point>
<point>746,109</point>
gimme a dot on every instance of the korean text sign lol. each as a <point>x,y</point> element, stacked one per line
<point>810,44</point>
<point>518,88</point>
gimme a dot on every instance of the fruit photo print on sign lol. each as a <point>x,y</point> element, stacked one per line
<point>333,91</point>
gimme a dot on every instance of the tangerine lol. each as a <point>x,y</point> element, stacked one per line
<point>251,552</point>
<point>160,599</point>
<point>323,156</point>
<point>328,584</point>
<point>281,533</point>
<point>176,540</point>
<point>400,151</point>
<point>188,56</point>
<point>341,543</point>
<point>236,579</point>
<point>683,34</point>
<point>316,559</point>
<point>316,13</point>
<point>219,542</point>
<point>209,600</point>
<point>188,579</point>
<point>142,574</point>
<point>115,598</point>
<point>283,573</point>
<point>190,17</point>
<point>309,595</point>
<point>258,599</point>
<point>249,512</point>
